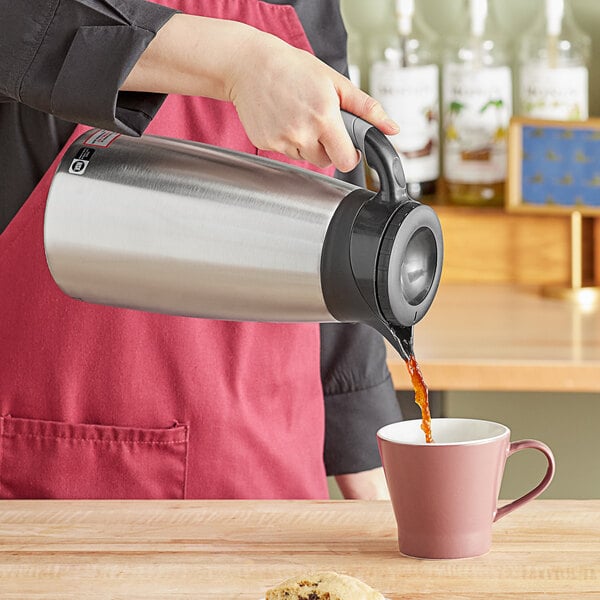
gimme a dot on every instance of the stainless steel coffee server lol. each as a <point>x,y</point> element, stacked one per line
<point>184,228</point>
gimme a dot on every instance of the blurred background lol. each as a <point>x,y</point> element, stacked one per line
<point>568,422</point>
<point>371,23</point>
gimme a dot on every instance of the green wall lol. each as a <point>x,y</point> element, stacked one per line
<point>568,423</point>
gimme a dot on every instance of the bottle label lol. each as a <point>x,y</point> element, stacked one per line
<point>477,110</point>
<point>410,97</point>
<point>560,93</point>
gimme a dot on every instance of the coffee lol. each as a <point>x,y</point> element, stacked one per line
<point>421,396</point>
<point>402,342</point>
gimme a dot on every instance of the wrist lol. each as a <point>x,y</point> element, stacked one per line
<point>365,485</point>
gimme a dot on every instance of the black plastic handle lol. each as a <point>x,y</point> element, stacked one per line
<point>380,155</point>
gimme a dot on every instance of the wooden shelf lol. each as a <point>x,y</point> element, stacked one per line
<point>490,245</point>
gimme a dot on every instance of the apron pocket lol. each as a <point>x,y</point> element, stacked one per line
<point>48,459</point>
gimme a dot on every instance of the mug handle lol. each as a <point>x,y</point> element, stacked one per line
<point>536,491</point>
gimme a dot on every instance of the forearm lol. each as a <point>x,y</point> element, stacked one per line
<point>287,100</point>
<point>192,56</point>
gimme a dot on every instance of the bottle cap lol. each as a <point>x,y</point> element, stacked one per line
<point>479,12</point>
<point>405,11</point>
<point>555,10</point>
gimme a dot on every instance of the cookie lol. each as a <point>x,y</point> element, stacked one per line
<point>326,585</point>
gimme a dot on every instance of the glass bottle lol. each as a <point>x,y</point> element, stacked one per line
<point>405,80</point>
<point>553,72</point>
<point>364,23</point>
<point>477,106</point>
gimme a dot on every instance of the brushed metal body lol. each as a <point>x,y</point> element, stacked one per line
<point>183,228</point>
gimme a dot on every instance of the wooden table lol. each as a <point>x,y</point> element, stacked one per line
<point>504,338</point>
<point>147,550</point>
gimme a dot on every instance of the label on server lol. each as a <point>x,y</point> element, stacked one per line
<point>81,161</point>
<point>101,138</point>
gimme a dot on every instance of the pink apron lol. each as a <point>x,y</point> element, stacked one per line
<point>97,402</point>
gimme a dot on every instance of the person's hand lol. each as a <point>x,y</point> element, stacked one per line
<point>288,100</point>
<point>366,485</point>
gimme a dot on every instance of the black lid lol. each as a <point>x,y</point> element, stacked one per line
<point>382,255</point>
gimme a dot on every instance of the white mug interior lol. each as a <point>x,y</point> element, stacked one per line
<point>445,431</point>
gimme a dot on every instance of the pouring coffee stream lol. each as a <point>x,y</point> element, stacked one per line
<point>188,229</point>
<point>419,266</point>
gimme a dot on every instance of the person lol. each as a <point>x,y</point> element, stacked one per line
<point>108,403</point>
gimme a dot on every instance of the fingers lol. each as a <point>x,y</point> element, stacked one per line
<point>338,146</point>
<point>321,141</point>
<point>294,107</point>
<point>335,140</point>
<point>362,105</point>
<point>315,154</point>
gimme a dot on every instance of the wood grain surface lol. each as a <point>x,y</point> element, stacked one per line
<point>504,338</point>
<point>487,245</point>
<point>146,550</point>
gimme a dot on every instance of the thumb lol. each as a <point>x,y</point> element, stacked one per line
<point>357,102</point>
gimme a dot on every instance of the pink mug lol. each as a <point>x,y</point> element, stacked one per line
<point>445,494</point>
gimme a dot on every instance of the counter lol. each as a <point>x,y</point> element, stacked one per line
<point>504,338</point>
<point>146,550</point>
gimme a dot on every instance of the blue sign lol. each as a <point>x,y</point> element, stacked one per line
<point>561,167</point>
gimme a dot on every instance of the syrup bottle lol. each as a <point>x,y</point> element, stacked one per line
<point>477,106</point>
<point>405,80</point>
<point>553,72</point>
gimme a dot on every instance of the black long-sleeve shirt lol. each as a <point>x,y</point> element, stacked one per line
<point>63,62</point>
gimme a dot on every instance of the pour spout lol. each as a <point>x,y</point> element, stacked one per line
<point>401,338</point>
<point>403,341</point>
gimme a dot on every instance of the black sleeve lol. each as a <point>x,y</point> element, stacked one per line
<point>359,396</point>
<point>69,58</point>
